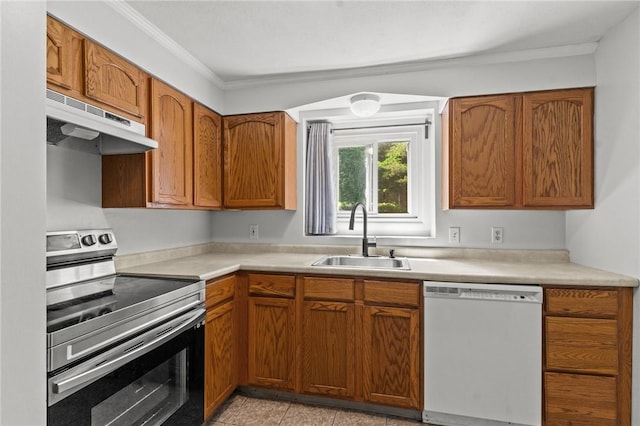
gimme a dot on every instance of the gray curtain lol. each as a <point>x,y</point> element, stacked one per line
<point>320,208</point>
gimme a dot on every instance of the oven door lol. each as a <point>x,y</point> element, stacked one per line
<point>155,378</point>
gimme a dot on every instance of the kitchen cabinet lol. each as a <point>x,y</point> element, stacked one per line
<point>260,161</point>
<point>171,163</point>
<point>329,337</point>
<point>391,355</point>
<point>114,82</point>
<point>82,69</point>
<point>207,157</point>
<point>183,173</point>
<point>587,356</point>
<point>221,376</point>
<point>271,331</point>
<point>64,68</point>
<point>519,151</point>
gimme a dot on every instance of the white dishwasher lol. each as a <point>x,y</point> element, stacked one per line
<point>482,354</point>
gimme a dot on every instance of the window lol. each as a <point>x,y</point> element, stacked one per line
<point>389,169</point>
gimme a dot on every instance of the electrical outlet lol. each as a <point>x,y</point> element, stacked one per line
<point>497,235</point>
<point>454,234</point>
<point>253,232</point>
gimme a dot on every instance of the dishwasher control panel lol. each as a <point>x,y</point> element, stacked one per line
<point>502,292</point>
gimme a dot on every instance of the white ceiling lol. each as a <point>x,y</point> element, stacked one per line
<point>253,40</point>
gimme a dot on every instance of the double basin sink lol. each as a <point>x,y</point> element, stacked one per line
<point>370,262</point>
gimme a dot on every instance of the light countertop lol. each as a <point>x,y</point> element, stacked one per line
<point>506,267</point>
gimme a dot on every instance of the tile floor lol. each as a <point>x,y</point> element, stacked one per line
<point>243,410</point>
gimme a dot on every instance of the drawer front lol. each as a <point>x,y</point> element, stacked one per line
<point>392,293</point>
<point>219,290</point>
<point>577,399</point>
<point>581,302</point>
<point>581,344</point>
<point>329,289</point>
<point>272,285</point>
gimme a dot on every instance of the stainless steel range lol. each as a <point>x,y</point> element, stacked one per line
<point>121,350</point>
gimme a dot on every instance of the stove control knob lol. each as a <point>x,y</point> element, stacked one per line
<point>89,240</point>
<point>105,238</point>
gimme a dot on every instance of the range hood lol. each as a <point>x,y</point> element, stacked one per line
<point>77,125</point>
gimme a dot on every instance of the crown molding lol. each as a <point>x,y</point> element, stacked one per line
<point>163,39</point>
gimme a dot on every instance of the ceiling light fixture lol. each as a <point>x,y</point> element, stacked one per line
<point>365,104</point>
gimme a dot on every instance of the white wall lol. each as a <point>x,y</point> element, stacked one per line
<point>609,236</point>
<point>522,229</point>
<point>22,217</point>
<point>74,184</point>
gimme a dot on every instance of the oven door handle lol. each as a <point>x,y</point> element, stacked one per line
<point>162,334</point>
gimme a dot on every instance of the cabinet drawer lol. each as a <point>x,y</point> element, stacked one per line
<point>329,289</point>
<point>581,302</point>
<point>392,293</point>
<point>219,290</point>
<point>581,344</point>
<point>576,399</point>
<point>272,285</point>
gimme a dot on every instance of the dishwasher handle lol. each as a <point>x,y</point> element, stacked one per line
<point>489,292</point>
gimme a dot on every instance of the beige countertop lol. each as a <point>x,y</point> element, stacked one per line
<point>482,266</point>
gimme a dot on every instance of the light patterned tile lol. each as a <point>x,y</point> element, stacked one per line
<point>229,408</point>
<point>308,415</point>
<point>260,412</point>
<point>400,421</point>
<point>349,418</point>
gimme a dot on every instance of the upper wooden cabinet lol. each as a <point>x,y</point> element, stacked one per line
<point>558,148</point>
<point>113,81</point>
<point>260,161</point>
<point>171,163</point>
<point>62,45</point>
<point>519,151</point>
<point>84,70</point>
<point>207,157</point>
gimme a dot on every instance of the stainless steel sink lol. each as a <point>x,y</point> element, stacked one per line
<point>371,262</point>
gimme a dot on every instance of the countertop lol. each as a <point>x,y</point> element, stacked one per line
<point>506,267</point>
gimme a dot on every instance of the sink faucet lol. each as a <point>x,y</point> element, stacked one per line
<point>365,241</point>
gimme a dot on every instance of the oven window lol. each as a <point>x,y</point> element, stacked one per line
<point>149,400</point>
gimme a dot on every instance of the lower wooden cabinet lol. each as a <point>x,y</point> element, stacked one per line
<point>221,376</point>
<point>271,333</point>
<point>587,356</point>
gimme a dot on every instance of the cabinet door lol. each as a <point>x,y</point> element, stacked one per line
<point>391,357</point>
<point>482,151</point>
<point>577,399</point>
<point>172,173</point>
<point>271,335</point>
<point>253,161</point>
<point>60,66</point>
<point>220,357</point>
<point>113,81</point>
<point>328,346</point>
<point>558,148</point>
<point>207,157</point>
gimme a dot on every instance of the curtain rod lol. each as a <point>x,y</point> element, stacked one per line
<point>426,123</point>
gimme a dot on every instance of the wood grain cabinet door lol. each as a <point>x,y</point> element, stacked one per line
<point>558,148</point>
<point>253,156</point>
<point>59,54</point>
<point>207,157</point>
<point>481,151</point>
<point>113,81</point>
<point>328,348</point>
<point>391,356</point>
<point>271,342</point>
<point>220,357</point>
<point>172,167</point>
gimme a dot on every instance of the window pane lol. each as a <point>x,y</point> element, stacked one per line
<point>392,177</point>
<point>352,180</point>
